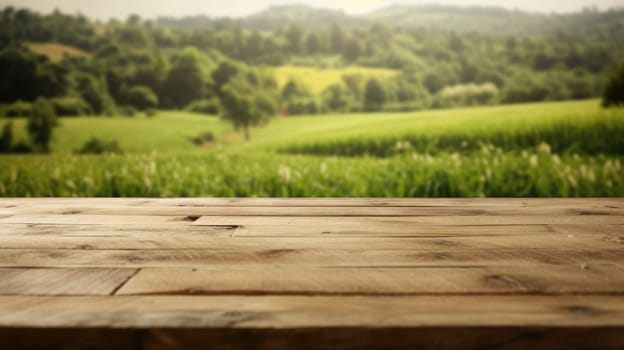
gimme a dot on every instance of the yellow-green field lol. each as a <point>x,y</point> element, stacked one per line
<point>57,51</point>
<point>318,79</point>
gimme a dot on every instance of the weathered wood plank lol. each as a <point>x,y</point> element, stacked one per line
<point>46,281</point>
<point>336,338</point>
<point>418,220</point>
<point>222,239</point>
<point>343,211</point>
<point>70,219</point>
<point>39,231</point>
<point>292,312</point>
<point>447,256</point>
<point>262,280</point>
<point>317,202</point>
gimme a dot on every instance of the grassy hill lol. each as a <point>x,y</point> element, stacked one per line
<point>581,125</point>
<point>169,132</point>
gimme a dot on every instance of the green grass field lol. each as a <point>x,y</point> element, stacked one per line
<point>550,149</point>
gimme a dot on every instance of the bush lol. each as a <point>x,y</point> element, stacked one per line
<point>17,109</point>
<point>6,138</point>
<point>614,91</point>
<point>71,107</point>
<point>141,97</point>
<point>98,146</point>
<point>467,95</point>
<point>152,112</point>
<point>207,106</point>
<point>41,124</point>
<point>127,111</point>
<point>204,138</point>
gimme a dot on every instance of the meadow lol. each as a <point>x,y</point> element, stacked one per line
<point>569,149</point>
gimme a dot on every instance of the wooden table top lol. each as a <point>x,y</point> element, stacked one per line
<point>312,273</point>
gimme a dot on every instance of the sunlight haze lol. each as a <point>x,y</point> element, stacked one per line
<point>236,8</point>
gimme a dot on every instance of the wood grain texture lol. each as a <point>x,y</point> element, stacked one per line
<point>483,220</point>
<point>438,338</point>
<point>29,281</point>
<point>444,256</point>
<point>292,312</point>
<point>554,279</point>
<point>311,273</point>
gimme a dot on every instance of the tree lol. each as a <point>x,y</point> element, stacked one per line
<point>141,97</point>
<point>222,75</point>
<point>184,82</point>
<point>614,91</point>
<point>352,49</point>
<point>374,96</point>
<point>6,138</point>
<point>41,123</point>
<point>246,105</point>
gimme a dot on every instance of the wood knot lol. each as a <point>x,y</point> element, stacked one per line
<point>501,281</point>
<point>582,310</point>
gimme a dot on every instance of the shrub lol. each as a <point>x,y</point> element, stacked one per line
<point>41,123</point>
<point>141,97</point>
<point>467,95</point>
<point>6,138</point>
<point>127,111</point>
<point>614,91</point>
<point>17,109</point>
<point>98,146</point>
<point>71,107</point>
<point>207,106</point>
<point>152,112</point>
<point>203,138</point>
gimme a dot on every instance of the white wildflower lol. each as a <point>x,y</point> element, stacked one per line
<point>544,148</point>
<point>534,161</point>
<point>284,173</point>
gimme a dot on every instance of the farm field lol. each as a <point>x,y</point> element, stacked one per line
<point>570,149</point>
<point>318,79</point>
<point>57,51</point>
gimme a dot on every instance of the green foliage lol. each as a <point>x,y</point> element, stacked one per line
<point>71,107</point>
<point>6,138</point>
<point>128,111</point>
<point>209,106</point>
<point>204,138</point>
<point>614,91</point>
<point>246,103</point>
<point>16,109</point>
<point>185,80</point>
<point>141,98</point>
<point>374,96</point>
<point>41,123</point>
<point>98,146</point>
<point>467,95</point>
<point>26,76</point>
<point>95,93</point>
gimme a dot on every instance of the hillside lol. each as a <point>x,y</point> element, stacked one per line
<point>485,20</point>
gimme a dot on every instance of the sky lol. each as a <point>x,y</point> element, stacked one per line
<point>105,9</point>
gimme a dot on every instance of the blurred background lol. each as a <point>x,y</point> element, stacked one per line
<point>339,98</point>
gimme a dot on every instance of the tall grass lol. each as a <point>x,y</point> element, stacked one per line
<point>490,172</point>
<point>591,136</point>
